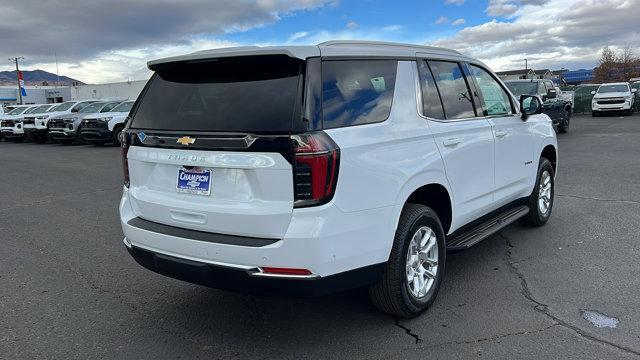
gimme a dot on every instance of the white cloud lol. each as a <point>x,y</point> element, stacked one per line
<point>393,28</point>
<point>501,8</point>
<point>352,25</point>
<point>297,36</point>
<point>566,33</point>
<point>458,22</point>
<point>442,20</point>
<point>456,2</point>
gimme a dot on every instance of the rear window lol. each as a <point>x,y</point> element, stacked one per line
<point>256,94</point>
<point>356,92</point>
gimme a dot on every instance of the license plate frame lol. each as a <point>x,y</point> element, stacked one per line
<point>194,181</point>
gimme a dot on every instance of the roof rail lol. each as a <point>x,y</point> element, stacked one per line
<point>384,43</point>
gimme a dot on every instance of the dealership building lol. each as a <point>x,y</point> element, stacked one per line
<point>128,90</point>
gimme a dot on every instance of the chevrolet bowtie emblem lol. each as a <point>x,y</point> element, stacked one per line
<point>186,140</point>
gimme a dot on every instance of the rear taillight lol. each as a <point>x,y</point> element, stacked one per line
<point>315,168</point>
<point>124,148</point>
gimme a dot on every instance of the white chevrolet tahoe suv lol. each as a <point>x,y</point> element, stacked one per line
<point>613,97</point>
<point>305,170</point>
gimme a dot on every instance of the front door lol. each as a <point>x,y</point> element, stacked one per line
<point>513,144</point>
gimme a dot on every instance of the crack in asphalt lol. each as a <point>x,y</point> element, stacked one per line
<point>544,308</point>
<point>599,199</point>
<point>408,331</point>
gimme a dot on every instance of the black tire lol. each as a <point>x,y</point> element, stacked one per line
<point>391,294</point>
<point>115,139</point>
<point>18,139</point>
<point>66,141</point>
<point>536,217</point>
<point>97,142</point>
<point>563,126</point>
<point>594,114</point>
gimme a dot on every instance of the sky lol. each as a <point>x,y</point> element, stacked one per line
<point>111,40</point>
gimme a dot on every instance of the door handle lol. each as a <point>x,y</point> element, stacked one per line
<point>451,142</point>
<point>501,133</point>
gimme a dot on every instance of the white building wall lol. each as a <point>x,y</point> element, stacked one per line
<point>121,91</point>
<point>35,95</point>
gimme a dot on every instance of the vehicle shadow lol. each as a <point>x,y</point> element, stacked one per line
<point>216,319</point>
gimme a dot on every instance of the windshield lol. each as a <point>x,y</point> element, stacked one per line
<point>93,108</point>
<point>31,110</point>
<point>63,107</point>
<point>254,94</point>
<point>613,88</point>
<point>522,88</point>
<point>124,107</point>
<point>40,109</point>
<point>17,111</point>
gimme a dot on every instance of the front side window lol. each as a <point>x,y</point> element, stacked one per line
<point>431,105</point>
<point>454,92</point>
<point>495,99</point>
<point>356,92</point>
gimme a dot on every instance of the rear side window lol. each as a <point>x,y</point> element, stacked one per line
<point>356,92</point>
<point>455,94</point>
<point>431,105</point>
<point>256,94</point>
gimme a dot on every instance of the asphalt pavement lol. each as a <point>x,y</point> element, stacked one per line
<point>570,289</point>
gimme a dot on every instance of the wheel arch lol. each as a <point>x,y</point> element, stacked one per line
<point>437,197</point>
<point>550,153</point>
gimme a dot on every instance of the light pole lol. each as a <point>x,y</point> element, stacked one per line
<point>526,69</point>
<point>16,59</point>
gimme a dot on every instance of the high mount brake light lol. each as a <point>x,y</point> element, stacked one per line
<point>315,168</point>
<point>124,149</point>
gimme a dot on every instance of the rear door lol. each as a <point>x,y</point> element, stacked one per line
<point>211,148</point>
<point>465,141</point>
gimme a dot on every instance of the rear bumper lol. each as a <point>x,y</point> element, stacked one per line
<point>238,280</point>
<point>323,240</point>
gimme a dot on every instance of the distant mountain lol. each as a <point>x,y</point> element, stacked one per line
<point>37,77</point>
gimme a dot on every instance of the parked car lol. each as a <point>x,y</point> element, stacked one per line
<point>13,128</point>
<point>557,108</point>
<point>99,128</point>
<point>8,120</point>
<point>339,181</point>
<point>613,97</point>
<point>65,128</point>
<point>36,126</point>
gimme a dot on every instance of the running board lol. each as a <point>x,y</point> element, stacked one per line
<point>482,231</point>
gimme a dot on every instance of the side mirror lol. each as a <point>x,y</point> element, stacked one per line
<point>530,105</point>
<point>552,94</point>
<point>593,92</point>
